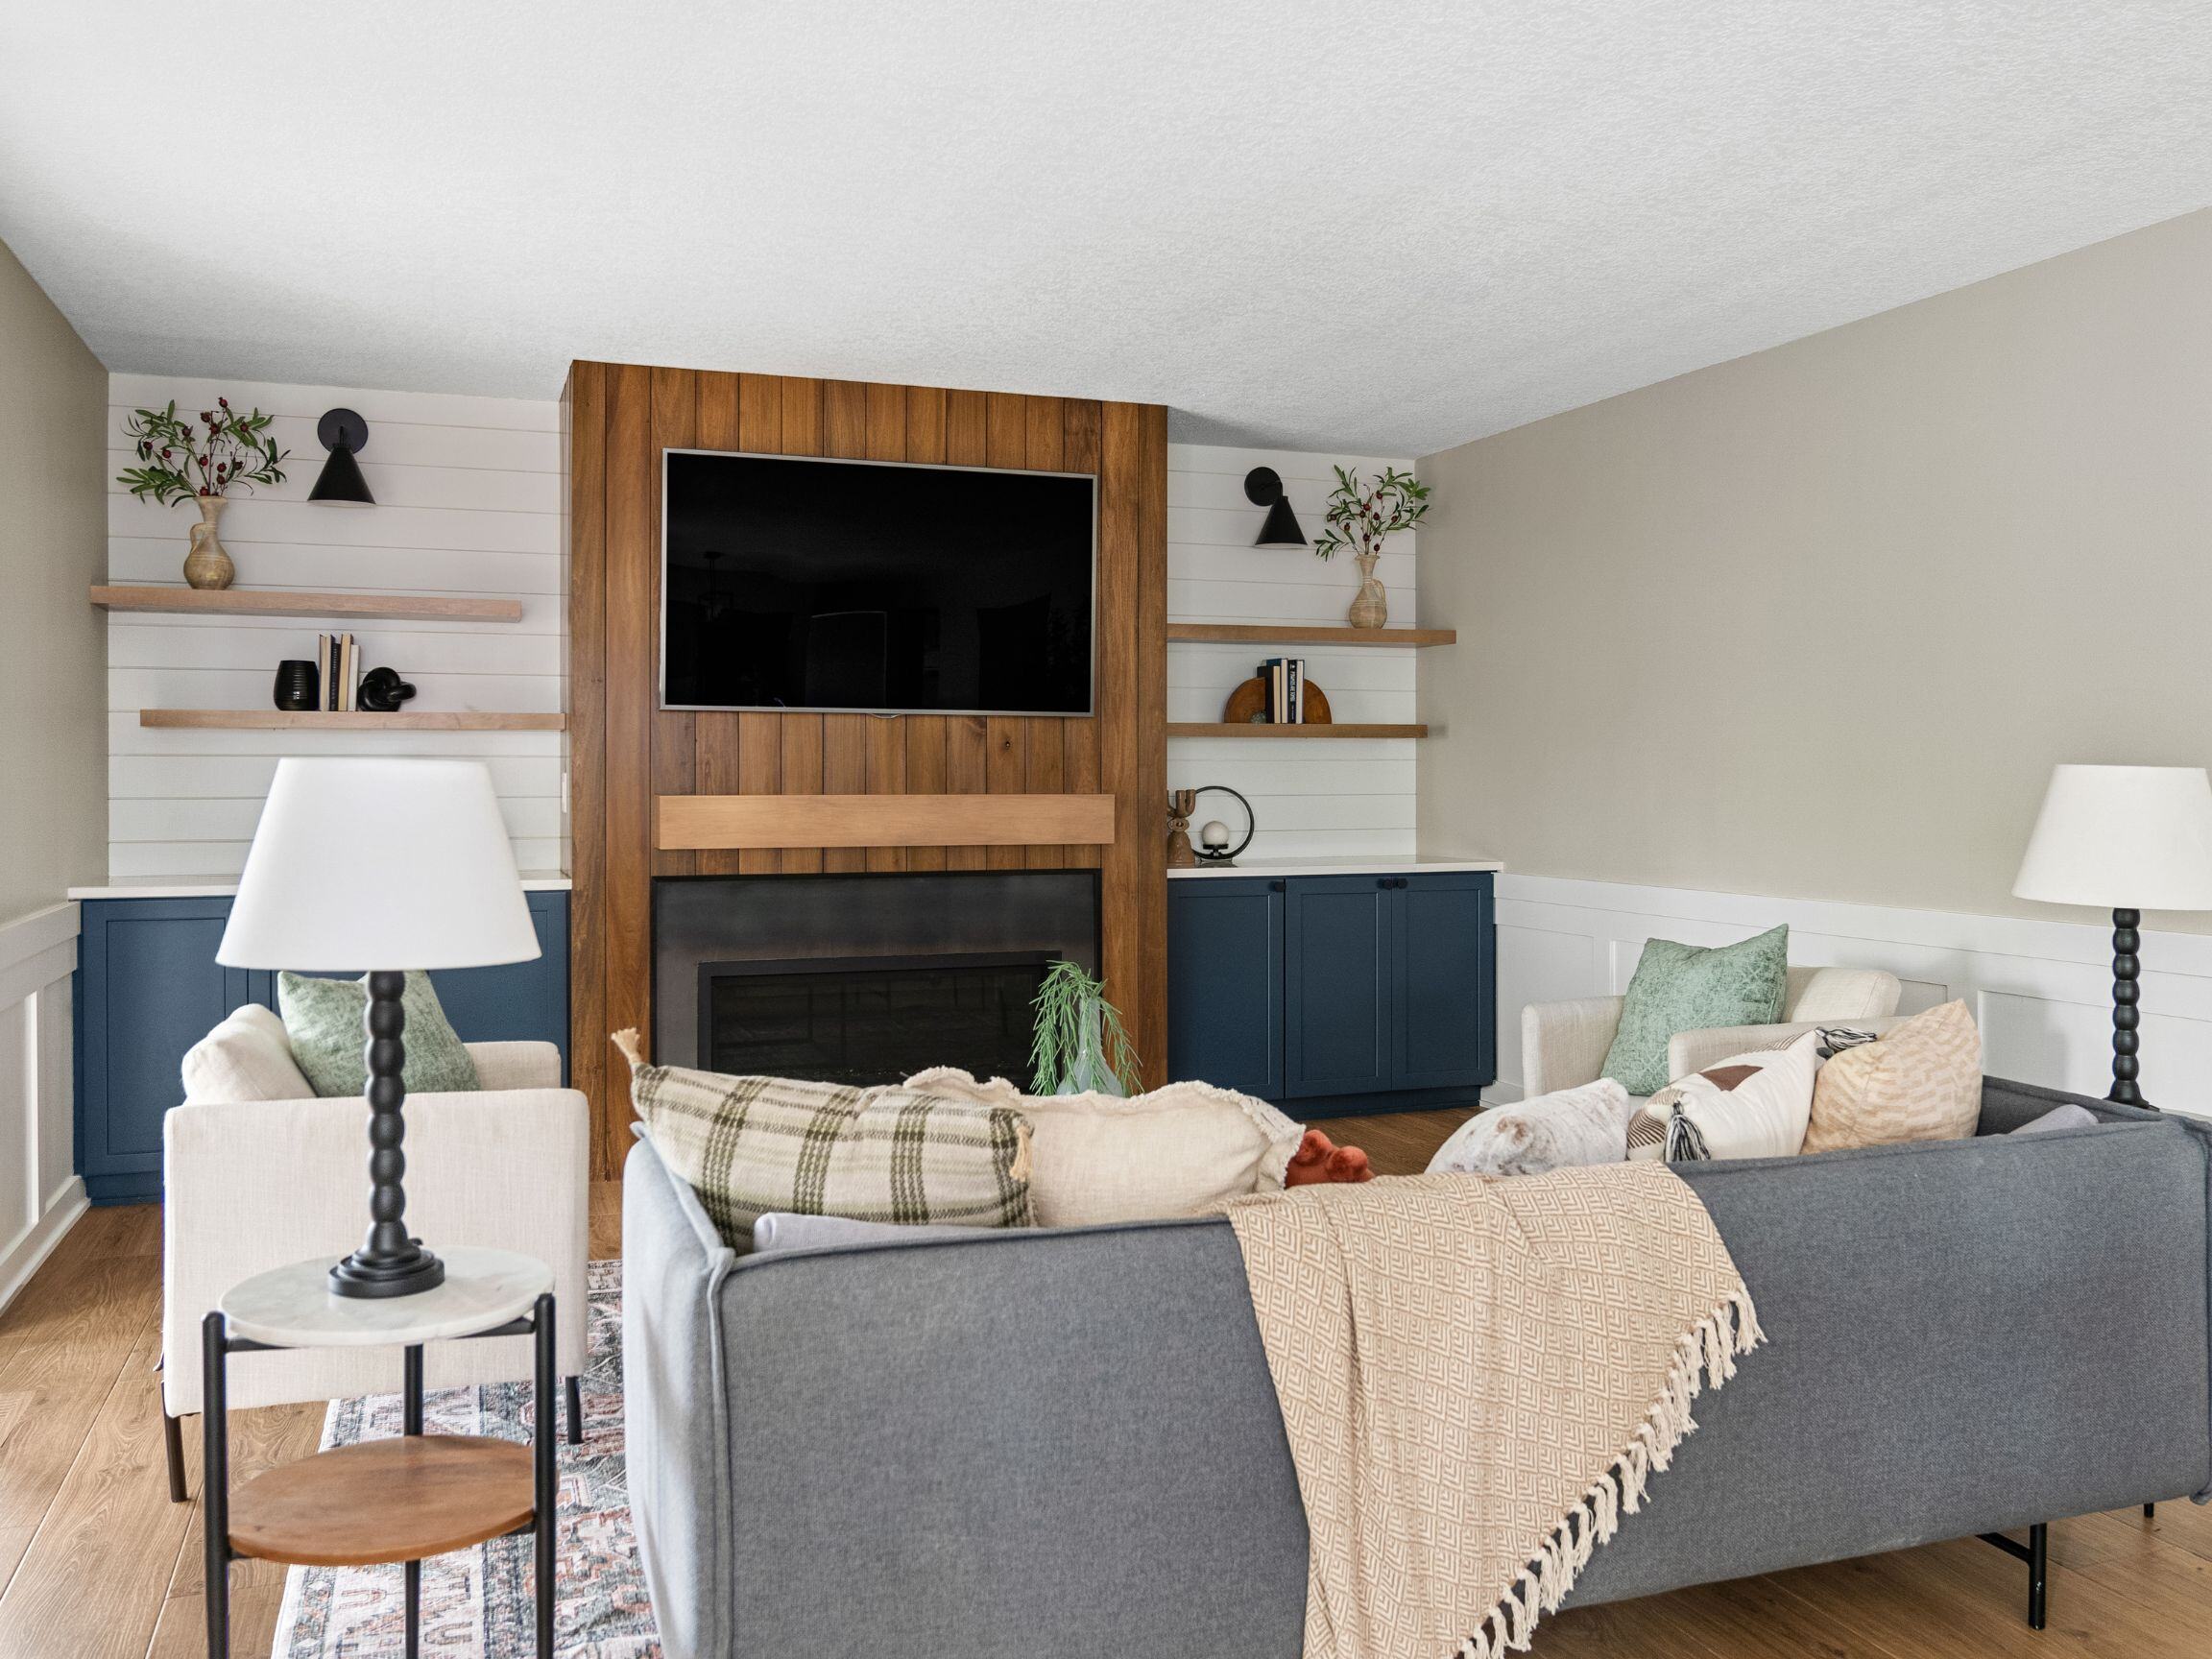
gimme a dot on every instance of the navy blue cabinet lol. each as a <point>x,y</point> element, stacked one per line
<point>1355,993</point>
<point>149,987</point>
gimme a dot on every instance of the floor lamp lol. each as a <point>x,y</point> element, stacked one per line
<point>395,866</point>
<point>2126,839</point>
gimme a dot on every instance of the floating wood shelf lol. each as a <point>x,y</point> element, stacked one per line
<point>278,602</point>
<point>317,720</point>
<point>695,823</point>
<point>1268,633</point>
<point>1220,729</point>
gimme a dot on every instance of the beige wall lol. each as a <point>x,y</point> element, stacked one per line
<point>53,649</point>
<point>1818,622</point>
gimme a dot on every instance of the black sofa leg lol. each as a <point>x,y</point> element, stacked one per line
<point>172,1442</point>
<point>2036,1553</point>
<point>575,1410</point>
<point>2149,1511</point>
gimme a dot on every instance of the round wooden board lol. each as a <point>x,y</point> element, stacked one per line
<point>1249,704</point>
<point>384,1500</point>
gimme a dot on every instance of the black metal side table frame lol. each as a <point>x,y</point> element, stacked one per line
<point>217,1345</point>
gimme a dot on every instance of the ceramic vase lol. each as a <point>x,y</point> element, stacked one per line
<point>1371,605</point>
<point>296,683</point>
<point>1091,1074</point>
<point>206,564</point>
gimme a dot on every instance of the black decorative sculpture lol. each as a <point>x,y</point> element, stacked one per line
<point>382,690</point>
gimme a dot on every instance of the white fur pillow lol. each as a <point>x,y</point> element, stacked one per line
<point>246,1057</point>
<point>1575,1127</point>
<point>1177,1151</point>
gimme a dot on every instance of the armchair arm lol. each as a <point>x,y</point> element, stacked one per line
<point>1689,1051</point>
<point>503,1065</point>
<point>1563,1045</point>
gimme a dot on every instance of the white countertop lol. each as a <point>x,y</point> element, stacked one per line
<point>1338,867</point>
<point>226,886</point>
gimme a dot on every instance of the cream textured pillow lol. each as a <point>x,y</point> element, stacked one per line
<point>1583,1125</point>
<point>1177,1151</point>
<point>1750,1105</point>
<point>1921,1082</point>
<point>246,1057</point>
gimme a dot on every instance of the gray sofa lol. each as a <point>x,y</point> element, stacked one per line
<point>1066,1443</point>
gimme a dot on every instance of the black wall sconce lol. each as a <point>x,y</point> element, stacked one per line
<point>1263,488</point>
<point>345,434</point>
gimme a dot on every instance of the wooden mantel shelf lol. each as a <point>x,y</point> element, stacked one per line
<point>697,823</point>
<point>286,602</point>
<point>317,720</point>
<point>1220,729</point>
<point>1271,634</point>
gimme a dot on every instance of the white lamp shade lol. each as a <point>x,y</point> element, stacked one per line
<point>2122,838</point>
<point>378,865</point>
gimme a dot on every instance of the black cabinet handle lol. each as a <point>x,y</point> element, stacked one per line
<point>1383,881</point>
<point>1274,887</point>
<point>1401,882</point>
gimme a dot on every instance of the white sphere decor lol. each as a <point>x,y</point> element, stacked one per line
<point>1215,837</point>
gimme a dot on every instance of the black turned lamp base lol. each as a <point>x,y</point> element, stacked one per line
<point>408,1274</point>
<point>2127,1015</point>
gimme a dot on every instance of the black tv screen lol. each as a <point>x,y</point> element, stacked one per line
<point>791,582</point>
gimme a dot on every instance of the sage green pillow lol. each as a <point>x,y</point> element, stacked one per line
<point>322,1021</point>
<point>1693,988</point>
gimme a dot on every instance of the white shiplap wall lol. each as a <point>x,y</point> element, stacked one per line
<point>468,502</point>
<point>1352,797</point>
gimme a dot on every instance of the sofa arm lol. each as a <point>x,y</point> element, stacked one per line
<point>503,1065</point>
<point>1563,1045</point>
<point>1689,1051</point>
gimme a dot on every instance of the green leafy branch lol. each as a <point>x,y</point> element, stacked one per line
<point>1361,515</point>
<point>181,461</point>
<point>1072,1005</point>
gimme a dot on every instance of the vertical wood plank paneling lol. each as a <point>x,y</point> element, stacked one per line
<point>886,738</point>
<point>758,738</point>
<point>1006,761</point>
<point>925,734</point>
<point>1043,450</point>
<point>967,742</point>
<point>799,762</point>
<point>584,423</point>
<point>629,741</point>
<point>1079,738</point>
<point>1142,840</point>
<point>1120,551</point>
<point>717,740</point>
<point>675,426</point>
<point>845,736</point>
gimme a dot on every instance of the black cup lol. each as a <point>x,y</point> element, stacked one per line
<point>297,685</point>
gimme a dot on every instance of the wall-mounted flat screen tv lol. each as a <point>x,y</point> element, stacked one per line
<point>794,581</point>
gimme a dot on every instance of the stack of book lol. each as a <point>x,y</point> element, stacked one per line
<point>338,672</point>
<point>1284,678</point>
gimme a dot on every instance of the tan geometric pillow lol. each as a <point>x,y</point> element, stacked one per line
<point>1921,1082</point>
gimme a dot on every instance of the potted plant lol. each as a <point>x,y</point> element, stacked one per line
<point>1359,515</point>
<point>1080,1047</point>
<point>202,464</point>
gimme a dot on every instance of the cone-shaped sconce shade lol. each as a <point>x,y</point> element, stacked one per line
<point>1264,488</point>
<point>342,432</point>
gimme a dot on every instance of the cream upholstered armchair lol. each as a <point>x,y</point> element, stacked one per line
<point>1564,1043</point>
<point>259,1173</point>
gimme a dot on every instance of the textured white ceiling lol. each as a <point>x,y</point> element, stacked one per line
<point>1376,226</point>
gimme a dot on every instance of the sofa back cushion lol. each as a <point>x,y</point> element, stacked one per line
<point>751,1145</point>
<point>1921,1082</point>
<point>245,1058</point>
<point>1839,996</point>
<point>1176,1151</point>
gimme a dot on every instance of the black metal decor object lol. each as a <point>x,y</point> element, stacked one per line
<point>345,434</point>
<point>2127,1016</point>
<point>389,1262</point>
<point>1264,488</point>
<point>382,690</point>
<point>297,685</point>
<point>1207,856</point>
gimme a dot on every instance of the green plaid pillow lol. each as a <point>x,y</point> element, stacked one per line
<point>748,1145</point>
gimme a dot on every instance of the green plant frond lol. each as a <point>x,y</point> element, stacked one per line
<point>1064,1002</point>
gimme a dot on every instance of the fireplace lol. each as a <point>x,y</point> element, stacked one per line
<point>861,979</point>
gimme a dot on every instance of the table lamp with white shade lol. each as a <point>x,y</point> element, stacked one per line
<point>2126,839</point>
<point>396,866</point>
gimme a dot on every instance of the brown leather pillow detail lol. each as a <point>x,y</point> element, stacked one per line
<point>1728,1076</point>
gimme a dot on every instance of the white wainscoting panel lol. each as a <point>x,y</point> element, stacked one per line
<point>1347,799</point>
<point>2040,991</point>
<point>467,503</point>
<point>39,1197</point>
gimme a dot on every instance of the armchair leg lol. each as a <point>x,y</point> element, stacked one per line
<point>575,1410</point>
<point>2037,1554</point>
<point>172,1442</point>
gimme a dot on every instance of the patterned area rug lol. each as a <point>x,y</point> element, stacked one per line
<point>476,1603</point>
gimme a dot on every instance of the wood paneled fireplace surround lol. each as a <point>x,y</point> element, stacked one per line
<point>666,793</point>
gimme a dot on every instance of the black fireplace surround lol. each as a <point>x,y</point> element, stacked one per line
<point>861,978</point>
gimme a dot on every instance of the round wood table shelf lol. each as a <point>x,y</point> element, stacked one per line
<point>384,1500</point>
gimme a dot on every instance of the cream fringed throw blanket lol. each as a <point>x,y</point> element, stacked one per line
<point>1477,1378</point>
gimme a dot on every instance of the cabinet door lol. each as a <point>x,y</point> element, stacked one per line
<point>1338,984</point>
<point>1225,983</point>
<point>1443,1018</point>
